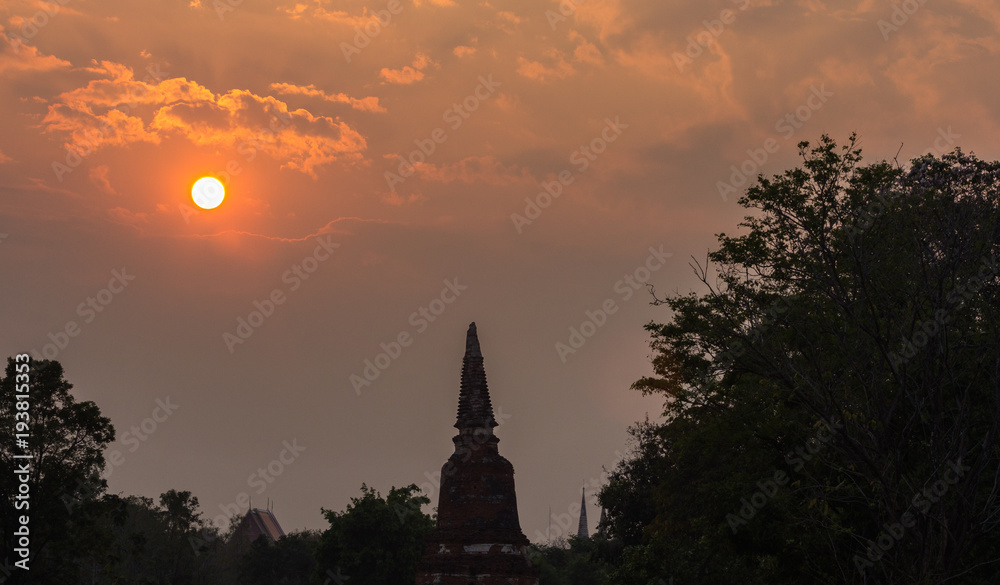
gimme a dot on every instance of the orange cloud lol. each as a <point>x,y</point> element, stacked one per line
<point>109,112</point>
<point>129,218</point>
<point>367,104</point>
<point>540,72</point>
<point>408,74</point>
<point>250,123</point>
<point>99,177</point>
<point>342,17</point>
<point>17,56</point>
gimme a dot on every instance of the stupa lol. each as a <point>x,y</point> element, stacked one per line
<point>478,538</point>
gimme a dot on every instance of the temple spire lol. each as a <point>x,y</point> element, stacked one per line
<point>581,531</point>
<point>475,411</point>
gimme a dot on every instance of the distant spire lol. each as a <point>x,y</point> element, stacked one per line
<point>474,408</point>
<point>601,528</point>
<point>581,531</point>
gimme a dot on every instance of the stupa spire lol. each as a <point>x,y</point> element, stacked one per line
<point>475,411</point>
<point>581,531</point>
<point>478,536</point>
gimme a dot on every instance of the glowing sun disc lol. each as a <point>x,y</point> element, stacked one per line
<point>208,192</point>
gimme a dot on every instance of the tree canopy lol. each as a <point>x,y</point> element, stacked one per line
<point>66,443</point>
<point>832,396</point>
<point>375,540</point>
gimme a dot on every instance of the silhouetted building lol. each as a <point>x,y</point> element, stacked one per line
<point>581,530</point>
<point>259,523</point>
<point>478,538</point>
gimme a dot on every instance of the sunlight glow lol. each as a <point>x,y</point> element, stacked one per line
<point>208,192</point>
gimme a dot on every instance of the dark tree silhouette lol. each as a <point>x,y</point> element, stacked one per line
<point>833,398</point>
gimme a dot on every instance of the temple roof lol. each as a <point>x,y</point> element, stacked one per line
<point>582,531</point>
<point>474,408</point>
<point>259,522</point>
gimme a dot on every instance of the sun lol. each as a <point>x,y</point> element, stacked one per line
<point>208,192</point>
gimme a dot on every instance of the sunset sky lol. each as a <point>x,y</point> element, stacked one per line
<point>395,170</point>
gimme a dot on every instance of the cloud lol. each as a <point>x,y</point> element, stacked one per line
<point>464,51</point>
<point>409,74</point>
<point>538,71</point>
<point>300,11</point>
<point>482,169</point>
<point>4,158</point>
<point>99,177</point>
<point>112,111</point>
<point>395,199</point>
<point>18,56</point>
<point>585,51</point>
<point>367,104</point>
<point>240,119</point>
<point>129,218</point>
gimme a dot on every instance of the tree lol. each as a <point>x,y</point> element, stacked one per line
<point>578,561</point>
<point>289,561</point>
<point>832,401</point>
<point>375,541</point>
<point>66,446</point>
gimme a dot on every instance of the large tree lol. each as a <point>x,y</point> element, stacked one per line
<point>376,540</point>
<point>832,397</point>
<point>66,447</point>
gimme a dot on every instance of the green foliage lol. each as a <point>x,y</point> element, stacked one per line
<point>862,299</point>
<point>375,541</point>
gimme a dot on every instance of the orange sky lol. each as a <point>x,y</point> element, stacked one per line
<point>394,170</point>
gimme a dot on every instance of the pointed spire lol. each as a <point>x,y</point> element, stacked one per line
<point>475,411</point>
<point>581,531</point>
<point>601,528</point>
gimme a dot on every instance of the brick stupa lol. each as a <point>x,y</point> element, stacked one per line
<point>478,539</point>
